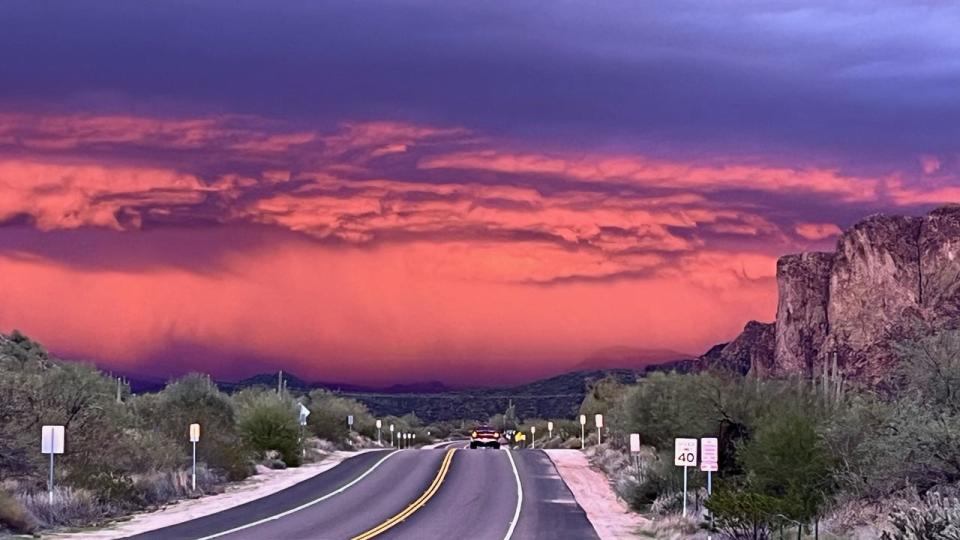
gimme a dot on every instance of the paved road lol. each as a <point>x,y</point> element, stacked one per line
<point>472,493</point>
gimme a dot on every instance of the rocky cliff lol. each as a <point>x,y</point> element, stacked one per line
<point>890,278</point>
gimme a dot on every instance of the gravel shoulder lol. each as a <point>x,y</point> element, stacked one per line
<point>609,515</point>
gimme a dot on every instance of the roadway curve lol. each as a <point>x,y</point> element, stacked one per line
<point>475,498</point>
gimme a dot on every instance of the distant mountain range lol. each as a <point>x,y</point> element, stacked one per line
<point>553,397</point>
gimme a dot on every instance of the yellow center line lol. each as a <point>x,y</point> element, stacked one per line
<point>415,505</point>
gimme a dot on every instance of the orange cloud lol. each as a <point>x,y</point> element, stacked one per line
<point>664,174</point>
<point>817,231</point>
<point>61,196</point>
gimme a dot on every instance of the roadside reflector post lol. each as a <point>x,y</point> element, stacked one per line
<point>533,436</point>
<point>391,436</point>
<point>599,420</point>
<point>583,438</point>
<point>194,438</point>
<point>635,449</point>
<point>379,425</point>
<point>685,455</point>
<point>550,429</point>
<point>51,442</point>
<point>350,422</point>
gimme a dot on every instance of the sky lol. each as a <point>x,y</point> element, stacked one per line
<point>472,192</point>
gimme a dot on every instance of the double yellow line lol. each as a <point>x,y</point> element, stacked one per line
<point>415,505</point>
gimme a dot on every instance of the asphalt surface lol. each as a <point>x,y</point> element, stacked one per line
<point>476,499</point>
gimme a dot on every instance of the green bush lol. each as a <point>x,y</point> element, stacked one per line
<point>328,417</point>
<point>268,423</point>
<point>195,399</point>
<point>743,514</point>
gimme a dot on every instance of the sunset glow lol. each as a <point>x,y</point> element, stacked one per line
<point>402,211</point>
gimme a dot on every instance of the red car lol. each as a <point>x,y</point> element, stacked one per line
<point>485,436</point>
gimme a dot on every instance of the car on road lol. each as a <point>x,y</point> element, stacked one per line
<point>485,437</point>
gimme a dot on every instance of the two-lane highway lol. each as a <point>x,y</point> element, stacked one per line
<point>409,494</point>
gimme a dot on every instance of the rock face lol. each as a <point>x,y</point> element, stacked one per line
<point>891,278</point>
<point>803,282</point>
<point>750,353</point>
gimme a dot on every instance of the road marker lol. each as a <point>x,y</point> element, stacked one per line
<point>302,506</point>
<point>194,439</point>
<point>415,505</point>
<point>516,513</point>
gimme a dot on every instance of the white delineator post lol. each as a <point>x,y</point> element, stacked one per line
<point>194,438</point>
<point>685,455</point>
<point>550,429</point>
<point>583,436</point>
<point>635,449</point>
<point>533,436</point>
<point>304,413</point>
<point>51,442</point>
<point>599,420</point>
<point>379,425</point>
<point>391,436</point>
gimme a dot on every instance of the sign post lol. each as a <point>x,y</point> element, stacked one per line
<point>379,425</point>
<point>51,442</point>
<point>391,436</point>
<point>350,422</point>
<point>304,413</point>
<point>550,429</point>
<point>194,438</point>
<point>599,420</point>
<point>685,455</point>
<point>709,461</point>
<point>583,422</point>
<point>533,436</point>
<point>635,449</point>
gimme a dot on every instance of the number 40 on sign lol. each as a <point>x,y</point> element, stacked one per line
<point>685,453</point>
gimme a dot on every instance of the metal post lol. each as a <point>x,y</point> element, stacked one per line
<point>583,441</point>
<point>685,491</point>
<point>50,484</point>
<point>533,440</point>
<point>710,492</point>
<point>598,435</point>
<point>194,465</point>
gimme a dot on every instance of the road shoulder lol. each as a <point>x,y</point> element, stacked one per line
<point>253,488</point>
<point>609,515</point>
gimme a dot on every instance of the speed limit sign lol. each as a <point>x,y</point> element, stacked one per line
<point>685,453</point>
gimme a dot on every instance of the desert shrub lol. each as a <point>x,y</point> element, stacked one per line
<point>787,461</point>
<point>15,516</point>
<point>743,514</point>
<point>270,423</point>
<point>195,399</point>
<point>936,518</point>
<point>70,507</point>
<point>328,417</point>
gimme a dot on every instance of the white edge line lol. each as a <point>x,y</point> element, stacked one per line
<point>516,513</point>
<point>302,506</point>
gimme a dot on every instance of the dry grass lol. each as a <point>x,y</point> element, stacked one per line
<point>15,516</point>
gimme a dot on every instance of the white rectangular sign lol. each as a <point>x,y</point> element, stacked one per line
<point>350,420</point>
<point>685,453</point>
<point>194,432</point>
<point>709,454</point>
<point>599,420</point>
<point>635,442</point>
<point>51,439</point>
